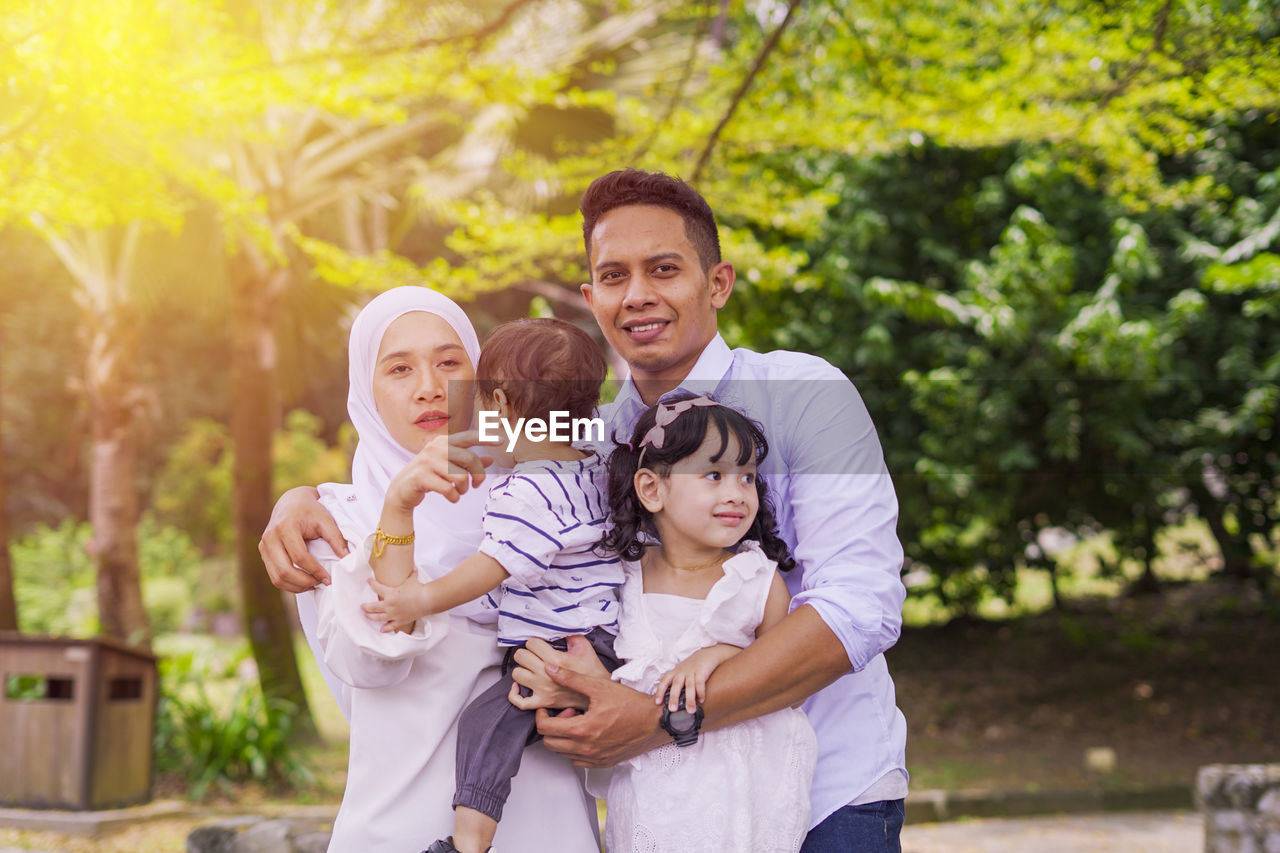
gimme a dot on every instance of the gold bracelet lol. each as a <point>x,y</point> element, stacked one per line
<point>382,540</point>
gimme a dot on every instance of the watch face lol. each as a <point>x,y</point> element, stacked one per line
<point>682,721</point>
<point>680,724</point>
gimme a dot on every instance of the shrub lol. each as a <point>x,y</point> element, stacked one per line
<point>54,581</point>
<point>212,731</point>
<point>55,586</point>
<point>193,491</point>
<point>170,565</point>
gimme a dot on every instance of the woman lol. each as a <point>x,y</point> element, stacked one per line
<point>412,371</point>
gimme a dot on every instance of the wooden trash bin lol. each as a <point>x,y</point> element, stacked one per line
<point>77,721</point>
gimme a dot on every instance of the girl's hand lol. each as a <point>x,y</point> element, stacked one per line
<point>444,466</point>
<point>398,607</point>
<point>691,677</point>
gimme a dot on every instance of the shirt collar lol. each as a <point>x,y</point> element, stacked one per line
<point>712,366</point>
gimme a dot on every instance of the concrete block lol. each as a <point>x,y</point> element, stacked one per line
<point>220,836</point>
<point>1241,807</point>
<point>268,836</point>
<point>311,842</point>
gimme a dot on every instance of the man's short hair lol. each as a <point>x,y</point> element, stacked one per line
<point>543,365</point>
<point>627,187</point>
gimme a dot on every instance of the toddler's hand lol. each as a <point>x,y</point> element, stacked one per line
<point>398,607</point>
<point>691,676</point>
<point>543,692</point>
<point>444,465</point>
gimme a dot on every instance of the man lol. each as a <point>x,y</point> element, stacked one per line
<point>657,281</point>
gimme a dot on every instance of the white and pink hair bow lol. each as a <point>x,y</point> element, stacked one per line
<point>666,413</point>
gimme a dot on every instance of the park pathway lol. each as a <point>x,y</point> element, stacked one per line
<point>1121,832</point>
<point>1149,832</point>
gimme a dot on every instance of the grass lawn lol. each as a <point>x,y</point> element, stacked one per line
<point>1168,682</point>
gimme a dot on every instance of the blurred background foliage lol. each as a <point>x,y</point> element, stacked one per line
<point>1042,238</point>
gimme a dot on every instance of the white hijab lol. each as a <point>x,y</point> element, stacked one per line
<point>445,533</point>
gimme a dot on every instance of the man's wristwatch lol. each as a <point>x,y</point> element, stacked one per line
<point>680,724</point>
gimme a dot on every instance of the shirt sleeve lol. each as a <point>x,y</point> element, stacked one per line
<point>353,646</point>
<point>519,534</point>
<point>845,516</point>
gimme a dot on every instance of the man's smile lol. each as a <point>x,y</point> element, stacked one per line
<point>643,331</point>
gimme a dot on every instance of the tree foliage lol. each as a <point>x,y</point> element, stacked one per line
<point>1042,237</point>
<point>1040,356</point>
<point>1038,235</point>
<point>103,103</point>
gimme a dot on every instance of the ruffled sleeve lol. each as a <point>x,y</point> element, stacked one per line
<point>734,607</point>
<point>354,647</point>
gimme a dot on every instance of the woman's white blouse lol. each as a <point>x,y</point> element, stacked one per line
<point>406,693</point>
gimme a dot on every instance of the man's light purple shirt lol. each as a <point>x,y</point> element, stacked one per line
<point>837,511</point>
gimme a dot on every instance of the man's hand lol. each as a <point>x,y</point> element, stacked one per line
<point>297,517</point>
<point>531,672</point>
<point>616,722</point>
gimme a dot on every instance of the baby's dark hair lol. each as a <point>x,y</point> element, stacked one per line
<point>630,521</point>
<point>542,365</point>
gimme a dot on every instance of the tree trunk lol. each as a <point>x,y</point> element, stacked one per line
<point>1237,553</point>
<point>111,388</point>
<point>1054,592</point>
<point>1147,583</point>
<point>8,603</point>
<point>254,417</point>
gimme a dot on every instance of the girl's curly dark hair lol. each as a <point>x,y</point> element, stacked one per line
<point>630,521</point>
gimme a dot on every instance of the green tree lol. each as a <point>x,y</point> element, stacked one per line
<point>8,602</point>
<point>1037,354</point>
<point>90,161</point>
<point>365,102</point>
<point>1230,336</point>
<point>994,217</point>
<point>193,489</point>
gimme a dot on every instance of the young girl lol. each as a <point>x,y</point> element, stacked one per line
<point>691,515</point>
<point>537,558</point>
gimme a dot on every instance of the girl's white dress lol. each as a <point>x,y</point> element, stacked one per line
<point>744,787</point>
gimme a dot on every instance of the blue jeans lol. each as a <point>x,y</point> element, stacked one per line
<point>859,829</point>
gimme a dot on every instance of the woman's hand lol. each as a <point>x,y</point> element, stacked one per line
<point>690,676</point>
<point>444,466</point>
<point>532,674</point>
<point>297,517</point>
